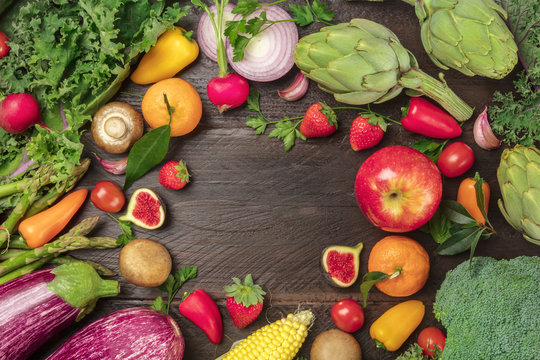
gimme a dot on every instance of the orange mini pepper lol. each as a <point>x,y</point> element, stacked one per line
<point>466,196</point>
<point>393,328</point>
<point>39,229</point>
<point>173,51</point>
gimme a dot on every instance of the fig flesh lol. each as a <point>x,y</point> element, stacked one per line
<point>341,264</point>
<point>145,209</point>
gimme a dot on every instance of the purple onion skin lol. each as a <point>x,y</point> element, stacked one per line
<point>30,314</point>
<point>128,334</point>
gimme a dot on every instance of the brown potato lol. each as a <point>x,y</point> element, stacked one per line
<point>145,263</point>
<point>335,345</point>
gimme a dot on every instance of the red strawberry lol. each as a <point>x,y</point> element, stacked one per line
<point>174,175</point>
<point>319,121</point>
<point>364,135</point>
<point>244,301</point>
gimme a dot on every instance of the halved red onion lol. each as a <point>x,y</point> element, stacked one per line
<point>268,55</point>
<point>206,36</point>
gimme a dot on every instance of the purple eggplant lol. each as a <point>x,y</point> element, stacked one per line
<point>134,333</point>
<point>36,306</point>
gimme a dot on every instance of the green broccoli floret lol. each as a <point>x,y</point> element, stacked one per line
<point>491,310</point>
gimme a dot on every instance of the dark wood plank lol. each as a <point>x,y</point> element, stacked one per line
<point>254,208</point>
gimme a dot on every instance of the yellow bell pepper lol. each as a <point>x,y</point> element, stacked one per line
<point>173,51</point>
<point>398,323</point>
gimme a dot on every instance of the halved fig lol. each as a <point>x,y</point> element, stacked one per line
<point>145,209</point>
<point>341,264</point>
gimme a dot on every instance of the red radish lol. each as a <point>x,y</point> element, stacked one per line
<point>4,47</point>
<point>227,91</point>
<point>18,112</point>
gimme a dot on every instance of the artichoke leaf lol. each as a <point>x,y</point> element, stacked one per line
<point>324,78</point>
<point>391,94</point>
<point>533,174</point>
<point>512,202</point>
<point>373,29</point>
<point>506,216</point>
<point>531,207</point>
<point>359,97</point>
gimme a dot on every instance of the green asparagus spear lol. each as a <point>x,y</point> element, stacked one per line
<point>48,199</point>
<point>18,242</point>
<point>14,187</point>
<point>75,239</point>
<point>66,259</point>
<point>41,178</point>
<point>10,253</point>
<point>27,269</point>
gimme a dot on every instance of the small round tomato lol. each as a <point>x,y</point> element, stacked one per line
<point>108,197</point>
<point>429,338</point>
<point>4,47</point>
<point>455,159</point>
<point>348,315</point>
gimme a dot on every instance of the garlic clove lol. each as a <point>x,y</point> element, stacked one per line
<point>483,135</point>
<point>296,90</point>
<point>115,167</point>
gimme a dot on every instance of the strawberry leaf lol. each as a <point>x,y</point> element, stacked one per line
<point>330,114</point>
<point>183,173</point>
<point>246,293</point>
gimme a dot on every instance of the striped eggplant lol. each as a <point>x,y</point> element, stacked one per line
<point>134,333</point>
<point>36,306</point>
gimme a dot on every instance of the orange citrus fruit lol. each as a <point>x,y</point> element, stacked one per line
<point>182,96</point>
<point>403,254</point>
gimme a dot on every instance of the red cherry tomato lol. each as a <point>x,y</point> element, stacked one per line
<point>429,338</point>
<point>4,48</point>
<point>108,197</point>
<point>456,159</point>
<point>348,315</point>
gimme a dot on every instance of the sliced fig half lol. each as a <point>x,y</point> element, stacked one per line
<point>145,209</point>
<point>341,264</point>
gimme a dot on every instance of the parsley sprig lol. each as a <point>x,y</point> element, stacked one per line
<point>303,15</point>
<point>172,285</point>
<point>127,231</point>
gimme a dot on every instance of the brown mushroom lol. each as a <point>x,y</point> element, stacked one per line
<point>116,126</point>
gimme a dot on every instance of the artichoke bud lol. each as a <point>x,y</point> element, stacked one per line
<point>467,35</point>
<point>519,179</point>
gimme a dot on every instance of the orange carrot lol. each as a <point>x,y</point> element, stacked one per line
<point>39,229</point>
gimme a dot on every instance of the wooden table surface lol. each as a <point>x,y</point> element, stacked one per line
<point>253,208</point>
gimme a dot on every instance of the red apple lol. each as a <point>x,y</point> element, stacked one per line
<point>398,188</point>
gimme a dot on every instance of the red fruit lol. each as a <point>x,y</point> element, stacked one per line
<point>431,338</point>
<point>4,48</point>
<point>244,301</point>
<point>107,196</point>
<point>174,175</point>
<point>348,315</point>
<point>319,121</point>
<point>363,135</point>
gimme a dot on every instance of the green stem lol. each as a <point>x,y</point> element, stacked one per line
<point>410,2</point>
<point>27,269</point>
<point>285,119</point>
<point>418,80</point>
<point>14,187</point>
<point>367,110</point>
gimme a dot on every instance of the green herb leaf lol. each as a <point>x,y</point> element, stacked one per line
<point>285,131</point>
<point>460,241</point>
<point>246,7</point>
<point>303,15</point>
<point>252,102</point>
<point>456,212</point>
<point>370,279</point>
<point>127,231</point>
<point>257,122</point>
<point>430,148</point>
<point>438,227</point>
<point>146,153</point>
<point>159,305</point>
<point>319,9</point>
<point>173,284</point>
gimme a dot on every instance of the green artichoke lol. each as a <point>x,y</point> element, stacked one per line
<point>519,180</point>
<point>362,62</point>
<point>470,36</point>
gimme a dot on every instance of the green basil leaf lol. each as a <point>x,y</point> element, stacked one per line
<point>370,279</point>
<point>146,153</point>
<point>459,242</point>
<point>456,212</point>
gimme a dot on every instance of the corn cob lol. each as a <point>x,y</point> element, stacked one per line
<point>280,340</point>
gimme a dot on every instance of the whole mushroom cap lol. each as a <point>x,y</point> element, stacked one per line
<point>116,126</point>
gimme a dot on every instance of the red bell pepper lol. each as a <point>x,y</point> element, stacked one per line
<point>4,47</point>
<point>199,307</point>
<point>427,119</point>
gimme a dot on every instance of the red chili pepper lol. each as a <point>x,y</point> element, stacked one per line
<point>199,307</point>
<point>4,48</point>
<point>427,119</point>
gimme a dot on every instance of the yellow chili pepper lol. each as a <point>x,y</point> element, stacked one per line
<point>398,323</point>
<point>173,51</point>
